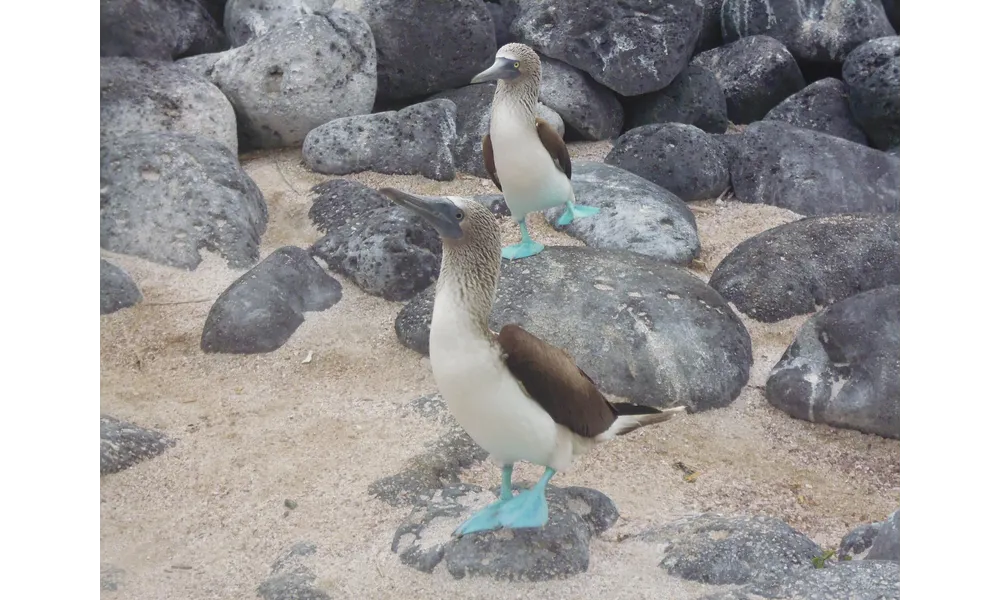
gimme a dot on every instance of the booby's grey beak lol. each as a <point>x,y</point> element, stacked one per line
<point>503,68</point>
<point>441,213</point>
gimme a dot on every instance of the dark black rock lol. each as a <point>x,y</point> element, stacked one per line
<point>393,254</point>
<point>727,550</point>
<point>588,109</point>
<point>756,73</point>
<point>812,173</point>
<point>142,95</point>
<point>636,215</point>
<point>799,267</point>
<point>124,444</point>
<point>886,543</point>
<point>165,196</point>
<point>821,106</point>
<point>631,46</point>
<point>427,47</point>
<point>694,97</point>
<point>857,580</point>
<point>263,308</point>
<point>473,104</point>
<point>158,29</point>
<point>559,549</point>
<point>666,337</point>
<point>814,31</point>
<point>711,26</point>
<point>118,291</point>
<point>341,202</point>
<point>872,76</point>
<point>292,577</point>
<point>843,367</point>
<point>437,466</point>
<point>415,140</point>
<point>295,77</point>
<point>681,158</point>
<point>856,544</point>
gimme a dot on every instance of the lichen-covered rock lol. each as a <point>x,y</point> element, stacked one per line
<point>158,29</point>
<point>124,444</point>
<point>412,141</point>
<point>694,97</point>
<point>590,110</point>
<point>871,73</point>
<point>166,196</point>
<point>821,106</point>
<point>143,95</point>
<point>118,291</point>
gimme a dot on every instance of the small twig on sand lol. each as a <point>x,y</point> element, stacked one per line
<point>699,209</point>
<point>277,167</point>
<point>176,302</point>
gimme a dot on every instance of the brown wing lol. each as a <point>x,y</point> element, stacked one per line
<point>491,168</point>
<point>550,376</point>
<point>555,145</point>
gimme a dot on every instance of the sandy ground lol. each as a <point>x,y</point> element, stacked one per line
<point>207,519</point>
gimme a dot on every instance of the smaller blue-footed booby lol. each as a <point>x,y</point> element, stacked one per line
<point>526,159</point>
<point>518,397</point>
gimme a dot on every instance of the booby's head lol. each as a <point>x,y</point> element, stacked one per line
<point>471,240</point>
<point>515,63</point>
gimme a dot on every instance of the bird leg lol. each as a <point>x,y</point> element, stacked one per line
<point>529,508</point>
<point>486,519</point>
<point>527,247</point>
<point>574,211</point>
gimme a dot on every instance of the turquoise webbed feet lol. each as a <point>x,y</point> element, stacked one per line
<point>522,250</point>
<point>529,508</point>
<point>527,247</point>
<point>575,211</point>
<point>488,518</point>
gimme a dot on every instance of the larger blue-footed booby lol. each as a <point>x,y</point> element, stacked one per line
<point>518,397</point>
<point>526,159</point>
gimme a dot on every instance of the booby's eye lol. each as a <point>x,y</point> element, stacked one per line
<point>459,216</point>
<point>517,65</point>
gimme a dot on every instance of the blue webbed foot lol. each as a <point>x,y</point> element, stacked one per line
<point>576,211</point>
<point>523,250</point>
<point>527,509</point>
<point>486,519</point>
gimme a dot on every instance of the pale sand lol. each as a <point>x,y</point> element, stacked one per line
<point>253,431</point>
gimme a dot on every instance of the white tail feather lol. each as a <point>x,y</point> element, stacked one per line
<point>629,423</point>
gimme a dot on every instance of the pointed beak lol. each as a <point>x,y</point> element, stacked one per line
<point>503,68</point>
<point>441,213</point>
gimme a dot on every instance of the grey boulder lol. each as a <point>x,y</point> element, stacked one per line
<point>296,77</point>
<point>821,106</point>
<point>165,196</point>
<point>417,140</point>
<point>590,110</point>
<point>680,158</point>
<point>856,580</point>
<point>247,19</point>
<point>261,310</point>
<point>632,46</point>
<point>644,330</point>
<point>733,550</point>
<point>756,73</point>
<point>426,47</point>
<point>796,268</point>
<point>636,215</point>
<point>694,97</point>
<point>871,73</point>
<point>815,31</point>
<point>886,543</point>
<point>557,550</point>
<point>473,104</point>
<point>856,544</point>
<point>118,291</point>
<point>124,444</point>
<point>142,95</point>
<point>812,173</point>
<point>843,367</point>
<point>293,577</point>
<point>158,29</point>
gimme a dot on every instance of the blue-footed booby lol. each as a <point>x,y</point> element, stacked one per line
<point>526,159</point>
<point>518,397</point>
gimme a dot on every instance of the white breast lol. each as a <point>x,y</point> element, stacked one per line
<point>530,179</point>
<point>486,400</point>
